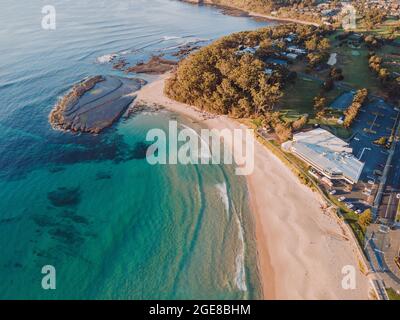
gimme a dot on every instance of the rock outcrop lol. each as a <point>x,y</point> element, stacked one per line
<point>156,65</point>
<point>94,103</point>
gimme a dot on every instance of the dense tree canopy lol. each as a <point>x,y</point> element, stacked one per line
<point>218,79</point>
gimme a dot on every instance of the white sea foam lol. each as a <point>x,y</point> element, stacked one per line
<point>240,277</point>
<point>205,152</point>
<point>167,38</point>
<point>106,58</point>
<point>223,193</point>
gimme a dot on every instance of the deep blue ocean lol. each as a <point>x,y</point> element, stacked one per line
<point>113,226</point>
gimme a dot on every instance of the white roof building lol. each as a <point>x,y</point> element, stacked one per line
<point>250,50</point>
<point>328,154</point>
<point>291,56</point>
<point>296,49</point>
<point>268,71</point>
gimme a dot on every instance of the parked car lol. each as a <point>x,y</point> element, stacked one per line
<point>367,192</point>
<point>349,205</point>
<point>358,211</point>
<point>332,192</point>
<point>384,229</point>
<point>342,198</point>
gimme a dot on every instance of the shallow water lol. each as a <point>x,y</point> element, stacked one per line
<point>112,225</point>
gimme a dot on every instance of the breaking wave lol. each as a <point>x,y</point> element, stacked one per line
<point>107,58</point>
<point>223,193</point>
<point>205,152</point>
<point>240,277</point>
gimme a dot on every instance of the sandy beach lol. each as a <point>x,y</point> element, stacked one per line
<point>254,14</point>
<point>301,248</point>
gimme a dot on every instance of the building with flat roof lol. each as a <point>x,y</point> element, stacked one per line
<point>326,153</point>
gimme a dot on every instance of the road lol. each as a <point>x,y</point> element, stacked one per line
<point>391,194</point>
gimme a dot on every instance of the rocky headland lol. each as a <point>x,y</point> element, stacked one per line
<point>94,103</point>
<point>155,65</point>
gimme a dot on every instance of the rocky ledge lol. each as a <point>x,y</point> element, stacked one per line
<point>156,65</point>
<point>94,103</point>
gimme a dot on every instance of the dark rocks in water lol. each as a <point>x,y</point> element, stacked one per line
<point>94,104</point>
<point>140,107</point>
<point>72,216</point>
<point>9,220</point>
<point>103,176</point>
<point>156,65</point>
<point>43,221</point>
<point>140,151</point>
<point>65,197</point>
<point>185,51</point>
<point>120,64</point>
<point>67,234</point>
<point>56,169</point>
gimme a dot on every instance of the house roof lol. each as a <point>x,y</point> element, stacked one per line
<point>327,151</point>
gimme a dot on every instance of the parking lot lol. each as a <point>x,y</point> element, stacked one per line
<point>374,121</point>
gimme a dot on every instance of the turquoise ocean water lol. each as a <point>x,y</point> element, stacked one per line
<point>112,225</point>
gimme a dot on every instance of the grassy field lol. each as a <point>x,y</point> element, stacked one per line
<point>298,98</point>
<point>385,28</point>
<point>393,295</point>
<point>351,218</point>
<point>391,58</point>
<point>354,63</point>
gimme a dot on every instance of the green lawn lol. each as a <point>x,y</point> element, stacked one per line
<point>354,63</point>
<point>380,30</point>
<point>340,131</point>
<point>393,295</point>
<point>386,27</point>
<point>391,57</point>
<point>351,218</point>
<point>298,98</point>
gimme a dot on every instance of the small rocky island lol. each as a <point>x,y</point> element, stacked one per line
<point>94,103</point>
<point>156,65</point>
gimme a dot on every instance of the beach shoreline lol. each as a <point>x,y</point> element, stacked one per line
<point>301,248</point>
<point>252,14</point>
<point>282,19</point>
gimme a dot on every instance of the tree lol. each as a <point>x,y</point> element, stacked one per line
<point>324,45</point>
<point>219,78</point>
<point>300,123</point>
<point>319,106</point>
<point>284,132</point>
<point>314,59</point>
<point>365,219</point>
<point>353,110</point>
<point>336,74</point>
<point>328,85</point>
<point>312,43</point>
<point>381,141</point>
<point>383,74</point>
